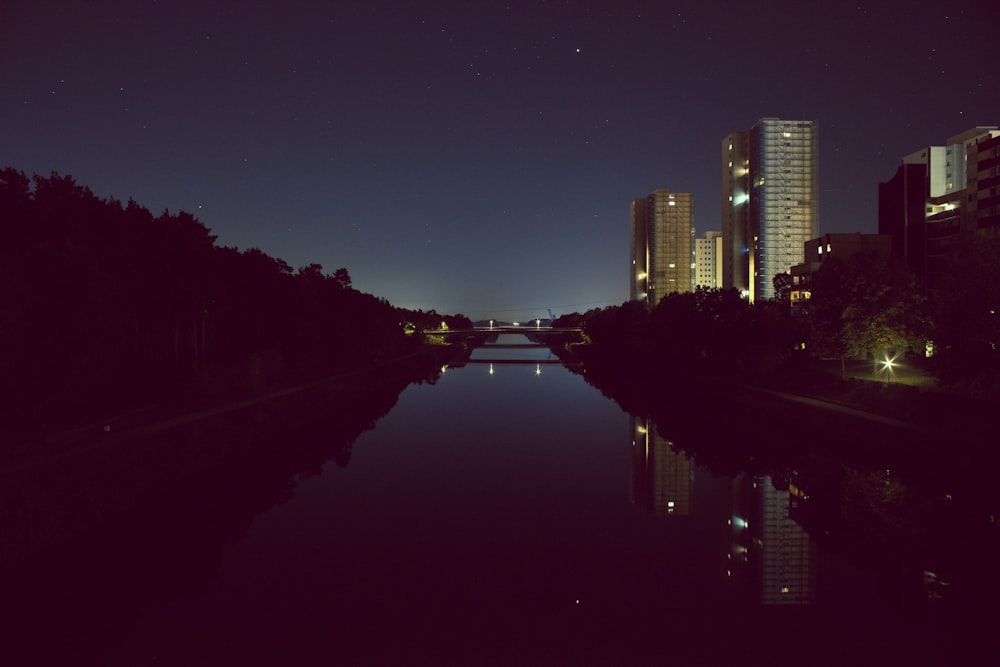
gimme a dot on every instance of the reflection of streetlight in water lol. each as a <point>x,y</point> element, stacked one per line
<point>491,369</point>
<point>538,369</point>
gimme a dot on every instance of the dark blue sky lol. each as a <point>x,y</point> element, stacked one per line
<point>474,157</point>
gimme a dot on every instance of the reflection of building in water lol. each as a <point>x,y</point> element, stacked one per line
<point>662,479</point>
<point>764,550</point>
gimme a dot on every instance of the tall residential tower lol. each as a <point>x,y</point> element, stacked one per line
<point>662,247</point>
<point>770,202</point>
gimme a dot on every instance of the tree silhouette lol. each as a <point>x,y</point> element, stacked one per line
<point>106,307</point>
<point>867,304</point>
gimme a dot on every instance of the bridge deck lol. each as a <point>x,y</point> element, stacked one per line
<point>512,346</point>
<point>508,330</point>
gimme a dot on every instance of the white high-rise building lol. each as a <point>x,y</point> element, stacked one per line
<point>770,202</point>
<point>708,260</point>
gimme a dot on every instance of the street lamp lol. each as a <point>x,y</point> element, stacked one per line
<point>887,367</point>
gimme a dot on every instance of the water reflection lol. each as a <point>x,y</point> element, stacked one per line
<point>662,477</point>
<point>766,554</point>
<point>764,549</point>
<point>491,519</point>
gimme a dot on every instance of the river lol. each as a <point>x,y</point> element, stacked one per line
<point>506,514</point>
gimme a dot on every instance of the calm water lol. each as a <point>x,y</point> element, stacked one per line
<point>508,514</point>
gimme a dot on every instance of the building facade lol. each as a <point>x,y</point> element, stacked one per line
<point>981,209</point>
<point>938,195</point>
<point>708,260</point>
<point>662,238</point>
<point>770,202</point>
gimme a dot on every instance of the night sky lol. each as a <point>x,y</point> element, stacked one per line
<point>473,157</point>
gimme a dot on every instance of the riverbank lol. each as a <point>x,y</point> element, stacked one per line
<point>82,478</point>
<point>908,395</point>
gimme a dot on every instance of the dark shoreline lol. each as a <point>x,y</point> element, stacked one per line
<point>89,477</point>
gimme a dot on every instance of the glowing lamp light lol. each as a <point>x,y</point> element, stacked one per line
<point>888,365</point>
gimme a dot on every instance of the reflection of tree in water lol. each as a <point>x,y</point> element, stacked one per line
<point>172,548</point>
<point>893,503</point>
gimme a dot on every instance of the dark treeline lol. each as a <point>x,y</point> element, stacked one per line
<point>708,332</point>
<point>105,307</point>
<point>861,308</point>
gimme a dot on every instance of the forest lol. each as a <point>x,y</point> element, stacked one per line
<point>106,307</point>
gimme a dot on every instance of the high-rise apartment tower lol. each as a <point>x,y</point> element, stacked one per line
<point>662,247</point>
<point>770,202</point>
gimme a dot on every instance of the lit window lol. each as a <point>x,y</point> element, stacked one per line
<point>828,248</point>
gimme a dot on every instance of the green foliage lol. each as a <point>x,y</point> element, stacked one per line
<point>782,287</point>
<point>710,332</point>
<point>867,304</point>
<point>966,303</point>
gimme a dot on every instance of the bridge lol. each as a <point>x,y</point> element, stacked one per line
<point>522,330</point>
